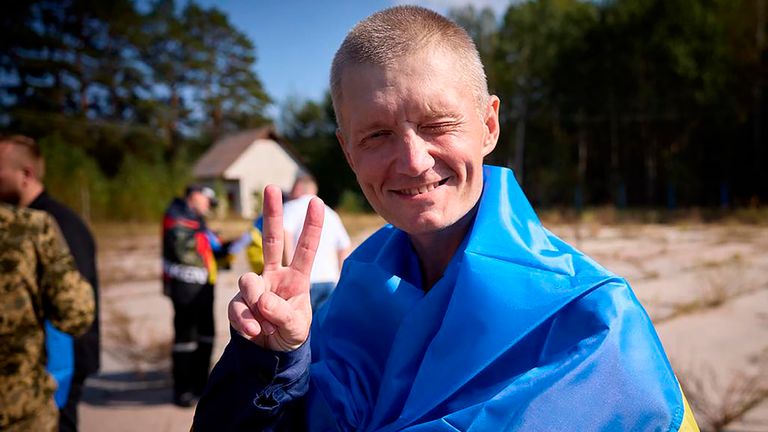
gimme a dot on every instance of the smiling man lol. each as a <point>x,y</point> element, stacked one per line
<point>464,313</point>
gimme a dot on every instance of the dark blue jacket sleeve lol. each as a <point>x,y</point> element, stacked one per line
<point>255,389</point>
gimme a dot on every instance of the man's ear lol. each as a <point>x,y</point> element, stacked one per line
<point>28,171</point>
<point>491,121</point>
<point>343,144</point>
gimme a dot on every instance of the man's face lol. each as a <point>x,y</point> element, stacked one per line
<point>199,203</point>
<point>415,138</point>
<point>12,175</point>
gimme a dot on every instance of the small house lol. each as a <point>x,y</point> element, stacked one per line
<point>245,162</point>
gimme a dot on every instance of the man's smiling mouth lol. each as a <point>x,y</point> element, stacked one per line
<point>421,189</point>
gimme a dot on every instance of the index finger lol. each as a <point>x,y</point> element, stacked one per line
<point>272,236</point>
<point>306,247</point>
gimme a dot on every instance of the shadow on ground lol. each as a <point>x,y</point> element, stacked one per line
<point>129,389</point>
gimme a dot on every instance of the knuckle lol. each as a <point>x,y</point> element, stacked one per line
<point>246,279</point>
<point>271,239</point>
<point>305,248</point>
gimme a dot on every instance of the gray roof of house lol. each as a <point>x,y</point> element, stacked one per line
<point>224,152</point>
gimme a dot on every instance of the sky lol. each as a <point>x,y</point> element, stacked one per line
<point>296,39</point>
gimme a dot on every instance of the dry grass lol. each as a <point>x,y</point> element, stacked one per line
<point>735,259</point>
<point>642,268</point>
<point>105,231</point>
<point>121,230</point>
<point>716,405</point>
<point>730,233</point>
<point>722,281</point>
<point>609,215</point>
<point>725,281</point>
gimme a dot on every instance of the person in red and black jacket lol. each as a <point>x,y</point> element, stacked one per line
<point>189,273</point>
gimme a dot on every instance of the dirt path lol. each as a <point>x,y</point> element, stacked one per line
<point>130,394</point>
<point>706,287</point>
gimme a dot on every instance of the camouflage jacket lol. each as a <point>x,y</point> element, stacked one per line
<point>38,282</point>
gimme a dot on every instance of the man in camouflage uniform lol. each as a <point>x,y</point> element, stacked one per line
<point>39,282</point>
<point>70,360</point>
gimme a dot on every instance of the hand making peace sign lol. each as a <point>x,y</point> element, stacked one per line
<point>274,310</point>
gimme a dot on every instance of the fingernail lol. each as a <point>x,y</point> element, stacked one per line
<point>251,329</point>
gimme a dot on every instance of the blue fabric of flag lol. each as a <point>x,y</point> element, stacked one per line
<point>523,332</point>
<point>61,361</point>
<point>258,223</point>
<point>213,240</point>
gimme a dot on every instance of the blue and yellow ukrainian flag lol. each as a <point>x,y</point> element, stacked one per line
<point>523,332</point>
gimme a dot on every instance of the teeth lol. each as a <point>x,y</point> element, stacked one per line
<point>420,189</point>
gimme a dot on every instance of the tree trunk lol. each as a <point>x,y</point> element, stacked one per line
<point>758,144</point>
<point>615,176</point>
<point>170,124</point>
<point>582,163</point>
<point>651,171</point>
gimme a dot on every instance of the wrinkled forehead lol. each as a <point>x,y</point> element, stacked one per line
<point>433,72</point>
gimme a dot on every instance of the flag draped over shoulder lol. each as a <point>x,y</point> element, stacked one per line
<point>523,332</point>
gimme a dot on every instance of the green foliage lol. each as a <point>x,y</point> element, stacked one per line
<point>124,98</point>
<point>645,102</point>
<point>311,128</point>
<point>74,178</point>
<point>114,70</point>
<point>353,202</point>
<point>482,27</point>
<point>630,102</point>
<point>142,190</point>
<point>222,60</point>
<point>139,191</point>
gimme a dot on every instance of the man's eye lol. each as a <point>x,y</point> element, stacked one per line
<point>378,134</point>
<point>437,127</point>
<point>372,139</point>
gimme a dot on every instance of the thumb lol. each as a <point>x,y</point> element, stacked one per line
<point>252,287</point>
<point>292,325</point>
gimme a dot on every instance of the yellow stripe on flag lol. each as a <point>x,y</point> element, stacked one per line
<point>689,423</point>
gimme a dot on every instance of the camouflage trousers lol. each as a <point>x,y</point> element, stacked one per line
<point>46,419</point>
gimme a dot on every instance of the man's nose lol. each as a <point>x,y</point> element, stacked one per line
<point>413,156</point>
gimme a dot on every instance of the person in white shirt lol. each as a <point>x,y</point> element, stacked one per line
<point>334,241</point>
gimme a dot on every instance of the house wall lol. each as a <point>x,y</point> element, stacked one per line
<point>264,162</point>
<point>232,192</point>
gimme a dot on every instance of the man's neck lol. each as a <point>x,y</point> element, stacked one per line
<point>30,193</point>
<point>436,249</point>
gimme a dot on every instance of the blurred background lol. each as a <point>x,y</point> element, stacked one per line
<point>632,104</point>
<point>637,128</point>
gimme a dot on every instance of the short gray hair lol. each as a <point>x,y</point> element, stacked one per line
<point>395,33</point>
